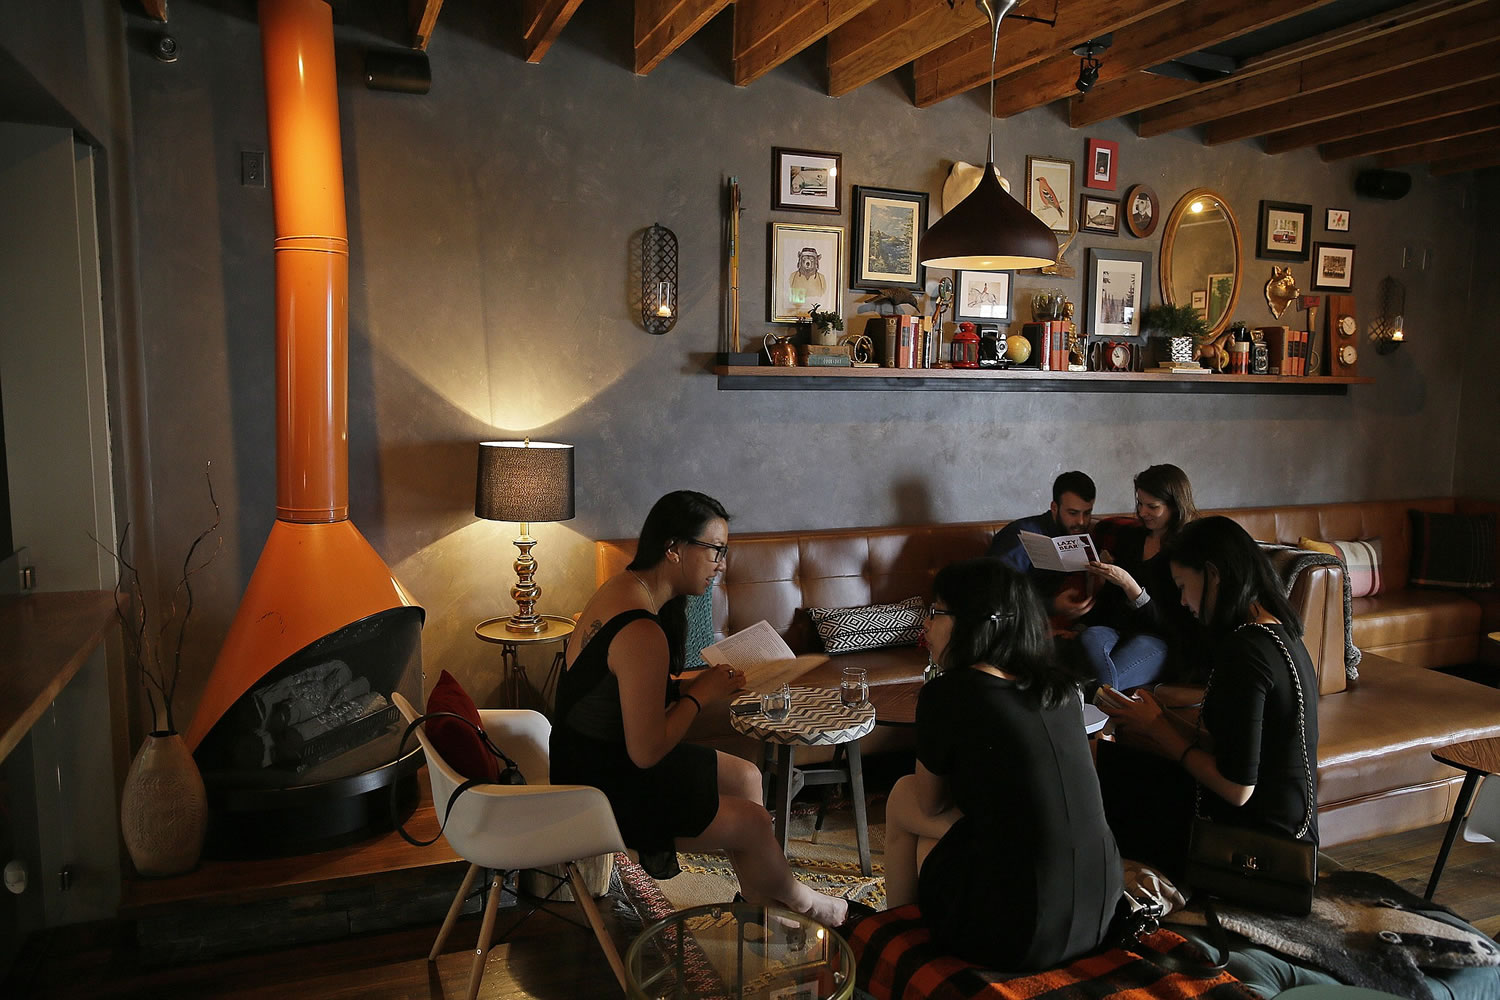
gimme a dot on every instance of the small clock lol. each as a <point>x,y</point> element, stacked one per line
<point>1347,354</point>
<point>1346,326</point>
<point>1117,357</point>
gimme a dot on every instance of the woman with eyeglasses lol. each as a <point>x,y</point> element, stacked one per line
<point>622,714</point>
<point>1000,833</point>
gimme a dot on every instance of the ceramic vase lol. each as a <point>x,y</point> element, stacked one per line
<point>1181,348</point>
<point>164,811</point>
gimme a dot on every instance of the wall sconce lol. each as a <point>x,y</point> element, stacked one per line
<point>1389,331</point>
<point>659,300</point>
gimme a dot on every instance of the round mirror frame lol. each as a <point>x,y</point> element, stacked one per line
<point>1169,237</point>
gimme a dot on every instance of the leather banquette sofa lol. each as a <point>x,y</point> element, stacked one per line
<point>1375,769</point>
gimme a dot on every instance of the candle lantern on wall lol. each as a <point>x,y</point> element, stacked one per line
<point>964,351</point>
<point>1389,331</point>
<point>659,301</point>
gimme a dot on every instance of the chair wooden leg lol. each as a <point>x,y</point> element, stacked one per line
<point>486,929</point>
<point>591,913</point>
<point>453,912</point>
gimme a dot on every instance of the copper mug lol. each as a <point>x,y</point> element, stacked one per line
<point>781,351</point>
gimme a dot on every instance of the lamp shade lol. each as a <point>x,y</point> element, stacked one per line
<point>524,481</point>
<point>988,231</point>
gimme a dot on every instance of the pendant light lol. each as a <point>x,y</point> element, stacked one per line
<point>989,230</point>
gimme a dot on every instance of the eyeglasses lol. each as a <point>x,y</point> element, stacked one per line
<point>721,552</point>
<point>933,611</point>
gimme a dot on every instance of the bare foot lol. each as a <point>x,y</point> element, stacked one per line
<point>830,911</point>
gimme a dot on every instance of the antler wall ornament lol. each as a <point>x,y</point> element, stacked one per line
<point>1062,268</point>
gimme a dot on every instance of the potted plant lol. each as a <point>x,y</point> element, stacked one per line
<point>1183,328</point>
<point>824,324</point>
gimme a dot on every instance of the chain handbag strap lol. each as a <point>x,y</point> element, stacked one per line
<point>1301,730</point>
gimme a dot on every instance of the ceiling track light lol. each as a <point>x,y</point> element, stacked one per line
<point>1088,62</point>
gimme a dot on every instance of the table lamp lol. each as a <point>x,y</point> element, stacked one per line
<point>524,481</point>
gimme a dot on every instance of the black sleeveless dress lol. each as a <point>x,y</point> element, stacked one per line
<point>678,796</point>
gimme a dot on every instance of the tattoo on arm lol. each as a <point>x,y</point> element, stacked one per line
<point>590,632</point>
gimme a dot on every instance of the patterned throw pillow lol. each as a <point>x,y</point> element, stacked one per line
<point>700,628</point>
<point>1455,551</point>
<point>1361,562</point>
<point>848,630</point>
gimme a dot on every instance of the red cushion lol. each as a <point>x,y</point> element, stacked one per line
<point>456,742</point>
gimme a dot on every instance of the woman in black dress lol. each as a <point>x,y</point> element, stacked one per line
<point>1026,875</point>
<point>1254,753</point>
<point>621,715</point>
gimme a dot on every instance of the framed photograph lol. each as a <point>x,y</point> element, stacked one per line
<point>887,225</point>
<point>1142,211</point>
<point>1118,290</point>
<point>983,296</point>
<point>1333,267</point>
<point>805,180</point>
<point>1099,215</point>
<point>1282,232</point>
<point>1338,220</point>
<point>1049,191</point>
<point>1102,161</point>
<point>1200,302</point>
<point>807,267</point>
<point>1220,290</point>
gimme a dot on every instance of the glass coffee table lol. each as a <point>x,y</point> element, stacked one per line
<point>736,951</point>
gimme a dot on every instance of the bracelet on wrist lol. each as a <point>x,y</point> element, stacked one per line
<point>695,701</point>
<point>1182,757</point>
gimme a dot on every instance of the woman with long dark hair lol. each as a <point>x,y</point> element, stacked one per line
<point>622,714</point>
<point>1024,873</point>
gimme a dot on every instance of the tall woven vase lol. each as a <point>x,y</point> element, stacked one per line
<point>164,811</point>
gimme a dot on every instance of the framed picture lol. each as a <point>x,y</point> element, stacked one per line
<point>1102,157</point>
<point>1220,290</point>
<point>983,295</point>
<point>1142,211</point>
<point>887,225</point>
<point>1099,215</point>
<point>1338,220</point>
<point>1049,191</point>
<point>1282,232</point>
<point>807,267</point>
<point>1333,267</point>
<point>805,180</point>
<point>1200,302</point>
<point>1118,290</point>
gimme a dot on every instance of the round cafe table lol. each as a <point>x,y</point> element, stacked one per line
<point>896,705</point>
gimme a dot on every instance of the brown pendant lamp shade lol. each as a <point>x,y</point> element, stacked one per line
<point>988,231</point>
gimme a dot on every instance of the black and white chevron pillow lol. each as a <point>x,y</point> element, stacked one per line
<point>847,630</point>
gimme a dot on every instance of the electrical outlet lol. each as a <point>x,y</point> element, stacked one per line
<point>252,168</point>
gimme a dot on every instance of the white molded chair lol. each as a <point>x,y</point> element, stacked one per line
<point>1482,826</point>
<point>515,827</point>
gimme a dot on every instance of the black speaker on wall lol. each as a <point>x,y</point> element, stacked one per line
<point>405,72</point>
<point>1388,184</point>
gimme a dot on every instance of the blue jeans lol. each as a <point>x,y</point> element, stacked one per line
<point>1123,664</point>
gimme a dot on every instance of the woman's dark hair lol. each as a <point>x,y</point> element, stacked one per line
<point>681,514</point>
<point>1170,484</point>
<point>1245,575</point>
<point>999,619</point>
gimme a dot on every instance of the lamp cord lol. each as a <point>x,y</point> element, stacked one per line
<point>987,6</point>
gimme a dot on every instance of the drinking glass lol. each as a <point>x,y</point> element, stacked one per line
<point>854,688</point>
<point>775,705</point>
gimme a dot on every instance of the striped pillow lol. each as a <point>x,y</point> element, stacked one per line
<point>848,630</point>
<point>1454,551</point>
<point>1361,562</point>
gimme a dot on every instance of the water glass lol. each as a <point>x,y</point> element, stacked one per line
<point>776,705</point>
<point>854,688</point>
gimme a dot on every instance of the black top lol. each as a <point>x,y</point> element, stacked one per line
<point>1250,712</point>
<point>1162,616</point>
<point>1030,876</point>
<point>1006,546</point>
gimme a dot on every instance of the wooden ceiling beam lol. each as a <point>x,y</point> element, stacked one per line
<point>422,15</point>
<point>1447,149</point>
<point>1271,79</point>
<point>890,34</point>
<point>1476,161</point>
<point>1148,42</point>
<point>155,9</point>
<point>1118,98</point>
<point>544,21</point>
<point>662,25</point>
<point>1469,97</point>
<point>1392,87</point>
<point>964,63</point>
<point>1436,130</point>
<point>769,32</point>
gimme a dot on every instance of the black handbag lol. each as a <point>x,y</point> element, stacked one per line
<point>1257,868</point>
<point>510,774</point>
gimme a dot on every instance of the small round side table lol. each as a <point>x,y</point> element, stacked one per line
<point>514,684</point>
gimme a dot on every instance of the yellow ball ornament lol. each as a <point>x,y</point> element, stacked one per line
<point>1017,349</point>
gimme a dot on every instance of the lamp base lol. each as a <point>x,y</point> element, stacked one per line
<point>525,624</point>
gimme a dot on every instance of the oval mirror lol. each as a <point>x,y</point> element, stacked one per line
<point>1200,257</point>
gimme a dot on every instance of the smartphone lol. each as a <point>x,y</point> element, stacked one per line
<point>1107,697</point>
<point>745,708</point>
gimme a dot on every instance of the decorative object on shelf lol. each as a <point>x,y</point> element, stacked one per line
<point>1389,331</point>
<point>983,295</point>
<point>1341,326</point>
<point>1047,304</point>
<point>1333,267</point>
<point>1103,157</point>
<point>1111,356</point>
<point>524,481</point>
<point>781,351</point>
<point>823,323</point>
<point>1017,349</point>
<point>992,348</point>
<point>895,298</point>
<point>1239,349</point>
<point>1337,220</point>
<point>805,180</point>
<point>989,230</point>
<point>1099,215</point>
<point>1077,360</point>
<point>861,350</point>
<point>1061,268</point>
<point>943,303</point>
<point>884,242</point>
<point>1142,211</point>
<point>1184,330</point>
<point>807,266</point>
<point>1200,253</point>
<point>1281,289</point>
<point>964,351</point>
<point>1260,354</point>
<point>1119,290</point>
<point>1281,233</point>
<point>1049,191</point>
<point>1310,304</point>
<point>735,356</point>
<point>659,279</point>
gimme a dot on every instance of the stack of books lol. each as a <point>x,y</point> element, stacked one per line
<point>818,356</point>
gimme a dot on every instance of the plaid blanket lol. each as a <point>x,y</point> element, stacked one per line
<point>896,959</point>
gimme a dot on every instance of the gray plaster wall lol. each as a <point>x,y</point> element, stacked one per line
<point>1478,472</point>
<point>493,223</point>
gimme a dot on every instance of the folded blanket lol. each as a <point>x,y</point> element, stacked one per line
<point>1289,562</point>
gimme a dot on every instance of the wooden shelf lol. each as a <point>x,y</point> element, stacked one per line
<point>45,638</point>
<point>1024,380</point>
